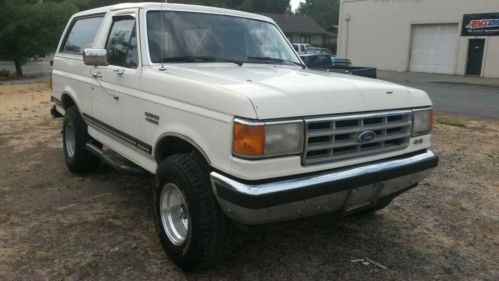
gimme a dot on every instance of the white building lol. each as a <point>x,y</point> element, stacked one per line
<point>436,36</point>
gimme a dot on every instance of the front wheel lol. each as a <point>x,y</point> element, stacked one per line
<point>192,229</point>
<point>74,139</point>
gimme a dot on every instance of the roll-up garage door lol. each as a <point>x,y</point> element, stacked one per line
<point>434,48</point>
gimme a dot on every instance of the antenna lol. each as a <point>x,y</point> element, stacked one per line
<point>163,43</point>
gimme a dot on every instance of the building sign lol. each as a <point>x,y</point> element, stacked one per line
<point>481,25</point>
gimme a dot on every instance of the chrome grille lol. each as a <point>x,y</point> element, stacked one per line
<point>337,137</point>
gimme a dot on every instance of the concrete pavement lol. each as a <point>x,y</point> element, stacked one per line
<point>31,68</point>
<point>433,77</point>
<point>473,96</point>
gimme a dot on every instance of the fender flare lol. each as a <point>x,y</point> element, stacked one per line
<point>182,137</point>
<point>72,96</point>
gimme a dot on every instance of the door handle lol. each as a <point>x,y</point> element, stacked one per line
<point>119,71</point>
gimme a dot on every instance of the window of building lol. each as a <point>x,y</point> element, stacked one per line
<point>304,39</point>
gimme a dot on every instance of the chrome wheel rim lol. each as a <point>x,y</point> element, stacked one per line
<point>174,214</point>
<point>70,139</point>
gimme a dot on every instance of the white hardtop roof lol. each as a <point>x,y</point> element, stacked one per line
<point>173,7</point>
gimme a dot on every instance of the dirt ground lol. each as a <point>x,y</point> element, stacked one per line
<point>58,226</point>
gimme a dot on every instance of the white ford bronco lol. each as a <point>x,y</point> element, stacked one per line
<point>218,106</point>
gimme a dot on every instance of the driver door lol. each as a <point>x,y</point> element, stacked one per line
<point>121,105</point>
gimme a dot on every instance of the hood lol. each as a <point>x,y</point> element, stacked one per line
<point>289,91</point>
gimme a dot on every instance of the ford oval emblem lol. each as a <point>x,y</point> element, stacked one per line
<point>366,136</point>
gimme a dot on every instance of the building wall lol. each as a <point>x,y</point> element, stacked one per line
<point>317,40</point>
<point>377,33</point>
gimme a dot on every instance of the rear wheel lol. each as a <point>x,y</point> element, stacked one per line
<point>74,138</point>
<point>192,229</point>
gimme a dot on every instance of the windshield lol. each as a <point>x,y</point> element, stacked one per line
<point>193,37</point>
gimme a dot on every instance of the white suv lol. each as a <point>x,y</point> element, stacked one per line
<point>218,106</point>
<point>300,48</point>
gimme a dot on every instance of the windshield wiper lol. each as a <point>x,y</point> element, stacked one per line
<point>201,59</point>
<point>274,60</point>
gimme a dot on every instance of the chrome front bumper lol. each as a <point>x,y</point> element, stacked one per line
<point>344,190</point>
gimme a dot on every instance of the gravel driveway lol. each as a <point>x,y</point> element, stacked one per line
<point>58,226</point>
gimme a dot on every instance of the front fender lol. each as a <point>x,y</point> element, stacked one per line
<point>212,137</point>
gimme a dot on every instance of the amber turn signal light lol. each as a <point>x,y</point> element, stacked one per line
<point>248,140</point>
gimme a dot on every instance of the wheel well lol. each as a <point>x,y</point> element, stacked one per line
<point>67,101</point>
<point>171,145</point>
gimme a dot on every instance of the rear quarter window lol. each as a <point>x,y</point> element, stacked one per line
<point>81,35</point>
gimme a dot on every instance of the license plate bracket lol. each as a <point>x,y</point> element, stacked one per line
<point>363,196</point>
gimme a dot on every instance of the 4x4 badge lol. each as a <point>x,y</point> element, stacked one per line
<point>153,118</point>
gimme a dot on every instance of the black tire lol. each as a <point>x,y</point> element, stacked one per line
<point>210,231</point>
<point>80,160</point>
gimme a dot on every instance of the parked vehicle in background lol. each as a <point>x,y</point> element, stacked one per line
<point>219,108</point>
<point>341,62</point>
<point>317,61</point>
<point>300,47</point>
<point>317,51</point>
<point>333,64</point>
<point>324,61</point>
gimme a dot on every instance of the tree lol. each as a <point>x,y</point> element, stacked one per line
<point>246,5</point>
<point>324,12</point>
<point>31,28</point>
<point>274,6</point>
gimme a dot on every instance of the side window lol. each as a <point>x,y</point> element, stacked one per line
<point>81,35</point>
<point>121,44</point>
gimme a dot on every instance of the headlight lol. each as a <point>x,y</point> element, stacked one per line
<point>283,139</point>
<point>267,139</point>
<point>422,122</point>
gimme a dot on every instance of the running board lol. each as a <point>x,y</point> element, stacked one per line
<point>115,163</point>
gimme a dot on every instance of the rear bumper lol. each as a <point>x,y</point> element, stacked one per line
<point>345,190</point>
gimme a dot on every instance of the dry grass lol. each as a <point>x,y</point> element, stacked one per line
<point>452,121</point>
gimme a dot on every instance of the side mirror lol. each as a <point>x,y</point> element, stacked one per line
<point>95,57</point>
